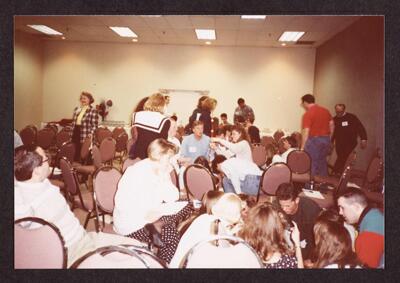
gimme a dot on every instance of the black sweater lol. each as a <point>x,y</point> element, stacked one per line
<point>347,129</point>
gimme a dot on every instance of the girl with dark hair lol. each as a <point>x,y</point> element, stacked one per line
<point>196,114</point>
<point>85,121</point>
<point>264,230</point>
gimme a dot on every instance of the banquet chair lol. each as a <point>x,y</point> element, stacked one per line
<point>40,247</point>
<point>372,178</point>
<point>74,194</point>
<point>107,150</point>
<point>45,138</point>
<point>120,146</point>
<point>299,162</point>
<point>115,257</point>
<point>197,180</point>
<point>100,134</point>
<point>117,131</point>
<point>67,150</point>
<point>210,253</point>
<point>87,171</point>
<point>105,182</point>
<point>276,174</point>
<point>259,154</point>
<point>28,135</point>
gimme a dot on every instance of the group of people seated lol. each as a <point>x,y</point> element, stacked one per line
<point>289,232</point>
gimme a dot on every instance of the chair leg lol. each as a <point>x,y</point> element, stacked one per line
<point>87,219</point>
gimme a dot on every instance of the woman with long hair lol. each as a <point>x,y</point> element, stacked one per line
<point>264,230</point>
<point>240,145</point>
<point>333,245</point>
<point>84,122</point>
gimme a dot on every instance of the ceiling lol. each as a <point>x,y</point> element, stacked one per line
<point>231,30</point>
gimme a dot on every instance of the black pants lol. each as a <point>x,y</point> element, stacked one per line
<point>76,139</point>
<point>342,151</point>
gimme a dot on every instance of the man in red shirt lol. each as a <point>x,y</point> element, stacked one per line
<point>317,127</point>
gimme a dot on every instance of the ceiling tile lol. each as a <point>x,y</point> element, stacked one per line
<point>203,22</point>
<point>179,22</point>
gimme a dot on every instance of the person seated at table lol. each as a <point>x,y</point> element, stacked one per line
<point>146,202</point>
<point>285,146</point>
<point>333,245</point>
<point>240,145</point>
<point>172,133</point>
<point>225,219</point>
<point>35,196</point>
<point>253,131</point>
<point>301,210</point>
<point>264,230</point>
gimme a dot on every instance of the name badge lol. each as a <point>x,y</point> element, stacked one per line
<point>192,149</point>
<point>345,124</point>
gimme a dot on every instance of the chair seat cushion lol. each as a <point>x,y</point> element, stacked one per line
<point>301,178</point>
<point>87,202</point>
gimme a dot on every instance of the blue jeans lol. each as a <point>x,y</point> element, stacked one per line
<point>318,149</point>
<point>249,185</point>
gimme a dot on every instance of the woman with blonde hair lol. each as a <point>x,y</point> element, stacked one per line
<point>225,219</point>
<point>264,230</point>
<point>151,124</point>
<point>208,106</point>
<point>146,202</point>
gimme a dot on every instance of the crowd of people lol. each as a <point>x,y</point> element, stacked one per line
<point>290,232</point>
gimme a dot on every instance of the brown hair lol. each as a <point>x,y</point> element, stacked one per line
<point>264,231</point>
<point>332,244</point>
<point>242,131</point>
<point>209,199</point>
<point>196,123</point>
<point>209,104</point>
<point>88,95</point>
<point>26,159</point>
<point>155,103</point>
<point>201,100</point>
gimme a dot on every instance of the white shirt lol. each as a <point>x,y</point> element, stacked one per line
<point>242,149</point>
<point>141,191</point>
<point>283,157</point>
<point>45,201</point>
<point>236,170</point>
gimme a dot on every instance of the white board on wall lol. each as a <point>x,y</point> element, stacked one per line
<point>182,103</point>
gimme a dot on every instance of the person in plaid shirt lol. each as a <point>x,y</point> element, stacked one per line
<point>84,122</point>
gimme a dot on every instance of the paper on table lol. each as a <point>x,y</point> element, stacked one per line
<point>313,194</point>
<point>353,185</point>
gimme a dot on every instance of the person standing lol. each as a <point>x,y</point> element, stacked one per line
<point>208,107</point>
<point>195,114</point>
<point>347,129</point>
<point>244,111</point>
<point>85,121</point>
<point>317,127</point>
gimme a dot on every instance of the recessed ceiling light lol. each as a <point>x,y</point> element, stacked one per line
<point>124,31</point>
<point>63,37</point>
<point>283,44</point>
<point>291,35</point>
<point>208,42</point>
<point>152,16</point>
<point>135,40</point>
<point>45,29</point>
<point>207,34</point>
<point>253,17</point>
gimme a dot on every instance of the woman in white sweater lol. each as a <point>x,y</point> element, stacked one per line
<point>146,194</point>
<point>240,147</point>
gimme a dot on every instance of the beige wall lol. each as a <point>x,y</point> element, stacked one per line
<point>349,69</point>
<point>28,79</point>
<point>272,80</point>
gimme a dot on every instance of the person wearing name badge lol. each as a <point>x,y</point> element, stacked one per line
<point>347,130</point>
<point>244,111</point>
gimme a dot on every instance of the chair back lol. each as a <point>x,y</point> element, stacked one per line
<point>53,127</point>
<point>96,157</point>
<point>107,149</point>
<point>351,159</point>
<point>198,180</point>
<point>278,135</point>
<point>134,133</point>
<point>115,257</point>
<point>69,177</point>
<point>374,169</point>
<point>62,137</point>
<point>117,131</point>
<point>105,183</point>
<point>129,162</point>
<point>28,135</point>
<point>45,138</point>
<point>259,154</point>
<point>174,178</point>
<point>85,148</point>
<point>273,176</point>
<point>121,141</point>
<point>299,161</point>
<point>38,248</point>
<point>67,150</point>
<point>266,140</point>
<point>236,254</point>
<point>101,134</point>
